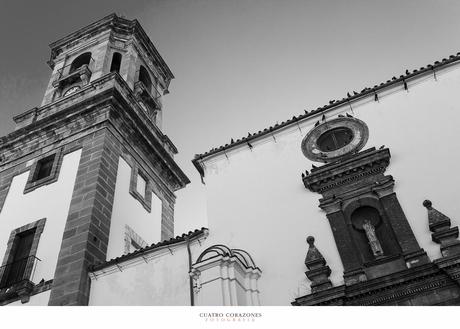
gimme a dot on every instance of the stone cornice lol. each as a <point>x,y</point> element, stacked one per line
<point>110,92</point>
<point>381,290</point>
<point>367,163</point>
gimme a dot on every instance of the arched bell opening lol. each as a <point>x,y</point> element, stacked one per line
<point>83,59</point>
<point>116,62</point>
<point>144,77</point>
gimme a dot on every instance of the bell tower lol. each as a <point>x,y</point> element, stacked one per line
<point>89,175</point>
<point>95,51</point>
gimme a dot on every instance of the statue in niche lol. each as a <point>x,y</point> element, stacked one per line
<point>372,238</point>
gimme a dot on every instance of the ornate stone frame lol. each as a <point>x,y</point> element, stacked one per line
<point>145,200</point>
<point>131,235</point>
<point>39,225</point>
<point>359,181</point>
<point>54,175</point>
<point>360,136</point>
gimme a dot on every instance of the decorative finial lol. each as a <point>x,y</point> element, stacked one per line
<point>318,272</point>
<point>436,219</point>
<point>443,233</point>
<point>427,204</point>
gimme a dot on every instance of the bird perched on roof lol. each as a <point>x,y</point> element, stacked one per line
<point>306,112</point>
<point>323,117</point>
<point>348,95</point>
<point>332,101</point>
<point>317,124</point>
<point>355,93</point>
<point>348,115</point>
<point>232,141</point>
<point>381,147</point>
<point>341,116</point>
<point>407,72</point>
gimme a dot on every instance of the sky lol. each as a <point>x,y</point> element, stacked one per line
<point>240,65</point>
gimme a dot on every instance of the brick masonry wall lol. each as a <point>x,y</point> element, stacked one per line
<point>167,219</point>
<point>104,132</point>
<point>86,233</point>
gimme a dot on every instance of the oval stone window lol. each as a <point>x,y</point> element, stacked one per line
<point>334,139</point>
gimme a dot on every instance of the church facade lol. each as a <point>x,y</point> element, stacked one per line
<point>370,179</point>
<point>88,182</point>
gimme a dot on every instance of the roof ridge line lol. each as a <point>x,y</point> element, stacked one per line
<point>151,247</point>
<point>332,104</point>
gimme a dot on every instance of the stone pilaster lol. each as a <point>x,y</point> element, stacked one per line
<point>352,268</point>
<point>86,233</point>
<point>412,252</point>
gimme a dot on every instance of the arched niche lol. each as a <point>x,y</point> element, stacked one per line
<point>369,209</point>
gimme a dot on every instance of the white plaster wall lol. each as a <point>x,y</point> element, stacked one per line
<point>257,201</point>
<point>161,281</point>
<point>35,300</point>
<point>51,202</point>
<point>128,210</point>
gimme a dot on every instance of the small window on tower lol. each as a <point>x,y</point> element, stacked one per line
<point>44,171</point>
<point>44,167</point>
<point>141,185</point>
